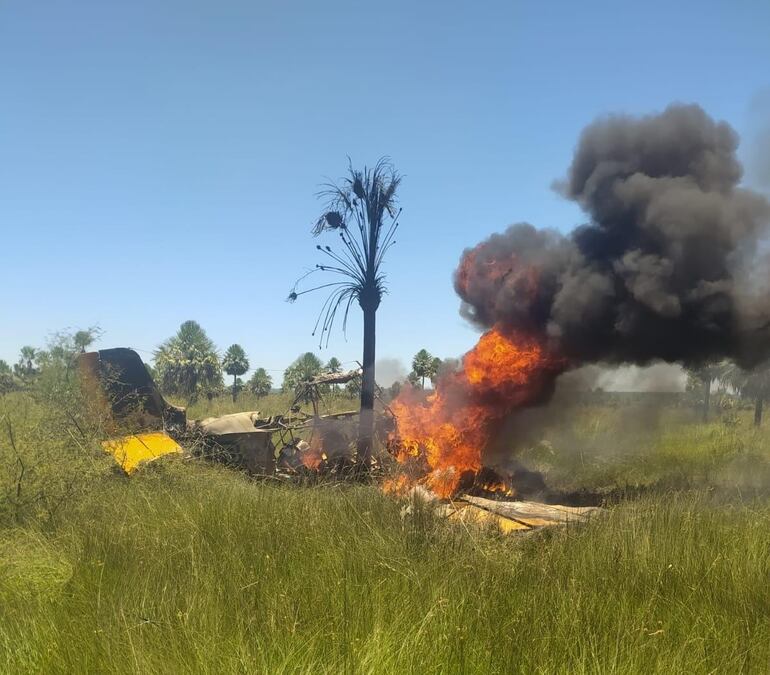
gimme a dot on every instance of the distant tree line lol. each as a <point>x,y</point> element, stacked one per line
<point>62,351</point>
<point>751,384</point>
<point>188,365</point>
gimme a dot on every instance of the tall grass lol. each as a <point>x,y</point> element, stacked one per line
<point>194,569</point>
<point>190,568</point>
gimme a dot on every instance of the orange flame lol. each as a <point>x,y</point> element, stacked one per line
<point>314,456</point>
<point>449,429</point>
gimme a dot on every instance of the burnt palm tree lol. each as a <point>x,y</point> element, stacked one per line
<point>361,209</point>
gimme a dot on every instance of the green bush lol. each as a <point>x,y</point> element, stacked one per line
<point>49,447</point>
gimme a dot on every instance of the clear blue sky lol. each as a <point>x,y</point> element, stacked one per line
<point>159,159</point>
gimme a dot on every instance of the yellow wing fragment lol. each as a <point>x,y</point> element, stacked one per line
<point>130,451</point>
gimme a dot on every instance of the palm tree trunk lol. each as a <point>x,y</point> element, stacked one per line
<point>235,380</point>
<point>366,418</point>
<point>706,399</point>
<point>758,405</point>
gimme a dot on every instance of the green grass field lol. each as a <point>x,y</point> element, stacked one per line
<point>191,568</point>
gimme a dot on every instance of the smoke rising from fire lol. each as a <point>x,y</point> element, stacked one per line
<point>661,270</point>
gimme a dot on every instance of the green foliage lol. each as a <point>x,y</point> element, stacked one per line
<point>353,388</point>
<point>49,453</point>
<point>435,367</point>
<point>305,367</point>
<point>187,567</point>
<point>235,363</point>
<point>274,403</point>
<point>333,366</point>
<point>187,364</point>
<point>698,376</point>
<point>28,365</point>
<point>65,346</point>
<point>754,384</point>
<point>699,381</point>
<point>260,383</point>
<point>7,379</point>
<point>62,351</point>
<point>83,339</point>
<point>207,571</point>
<point>424,364</point>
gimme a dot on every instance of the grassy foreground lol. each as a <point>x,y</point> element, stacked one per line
<point>190,568</point>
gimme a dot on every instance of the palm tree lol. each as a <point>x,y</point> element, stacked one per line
<point>361,208</point>
<point>333,366</point>
<point>235,363</point>
<point>422,365</point>
<point>187,363</point>
<point>702,377</point>
<point>305,367</point>
<point>28,356</point>
<point>85,338</point>
<point>753,383</point>
<point>260,383</point>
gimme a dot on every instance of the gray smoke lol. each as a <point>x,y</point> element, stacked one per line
<point>661,270</point>
<point>758,153</point>
<point>390,370</point>
<point>656,377</point>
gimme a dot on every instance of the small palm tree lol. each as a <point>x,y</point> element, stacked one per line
<point>422,365</point>
<point>333,366</point>
<point>235,363</point>
<point>83,339</point>
<point>27,359</point>
<point>361,209</point>
<point>260,383</point>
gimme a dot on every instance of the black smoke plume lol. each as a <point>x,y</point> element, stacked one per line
<point>663,269</point>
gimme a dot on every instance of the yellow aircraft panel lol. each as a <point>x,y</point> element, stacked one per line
<point>130,451</point>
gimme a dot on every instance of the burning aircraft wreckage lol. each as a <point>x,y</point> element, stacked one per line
<point>668,267</point>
